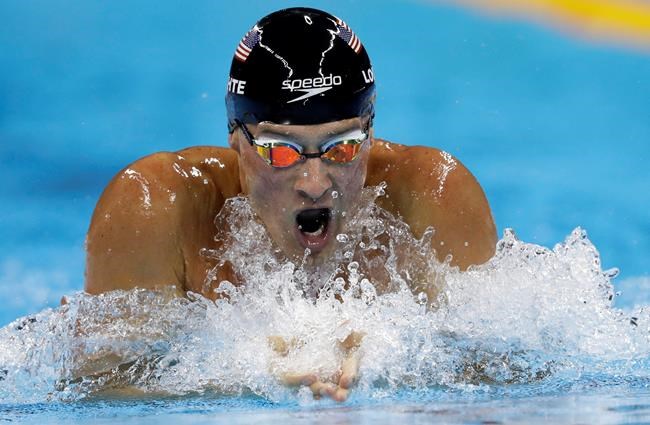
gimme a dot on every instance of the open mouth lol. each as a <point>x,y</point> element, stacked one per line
<point>312,225</point>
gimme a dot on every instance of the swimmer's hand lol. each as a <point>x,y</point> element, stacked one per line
<point>339,388</point>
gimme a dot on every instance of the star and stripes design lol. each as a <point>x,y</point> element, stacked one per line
<point>252,39</point>
<point>347,35</point>
<point>247,43</point>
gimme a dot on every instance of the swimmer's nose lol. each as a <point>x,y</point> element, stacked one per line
<point>313,179</point>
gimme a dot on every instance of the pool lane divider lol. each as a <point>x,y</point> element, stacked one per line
<point>622,22</point>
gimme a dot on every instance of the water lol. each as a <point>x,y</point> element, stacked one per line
<point>532,321</point>
<point>555,129</point>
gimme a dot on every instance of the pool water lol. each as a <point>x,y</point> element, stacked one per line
<point>593,408</point>
<point>555,128</point>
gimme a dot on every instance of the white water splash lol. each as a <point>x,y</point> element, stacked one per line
<point>528,315</point>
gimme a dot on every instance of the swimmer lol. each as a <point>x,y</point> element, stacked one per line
<point>300,104</point>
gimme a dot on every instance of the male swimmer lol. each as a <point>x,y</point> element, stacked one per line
<point>300,103</point>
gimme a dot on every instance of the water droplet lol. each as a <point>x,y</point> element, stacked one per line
<point>339,284</point>
<point>335,194</point>
<point>343,238</point>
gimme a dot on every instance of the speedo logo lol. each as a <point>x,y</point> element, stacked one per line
<point>312,86</point>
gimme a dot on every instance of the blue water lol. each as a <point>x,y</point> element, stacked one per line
<point>555,128</point>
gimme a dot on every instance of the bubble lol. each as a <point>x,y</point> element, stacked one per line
<point>422,298</point>
<point>335,194</point>
<point>342,237</point>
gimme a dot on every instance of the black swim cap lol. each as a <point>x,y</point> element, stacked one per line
<point>299,66</point>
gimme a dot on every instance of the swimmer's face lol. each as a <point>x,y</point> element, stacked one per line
<point>307,204</point>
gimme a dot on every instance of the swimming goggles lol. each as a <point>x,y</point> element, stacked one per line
<point>284,153</point>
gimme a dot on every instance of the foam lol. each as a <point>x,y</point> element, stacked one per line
<point>530,315</point>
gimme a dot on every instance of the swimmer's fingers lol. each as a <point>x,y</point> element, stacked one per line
<point>326,389</point>
<point>282,346</point>
<point>352,341</point>
<point>297,379</point>
<point>350,366</point>
<point>349,371</point>
<point>340,395</point>
<point>279,344</point>
<point>340,392</point>
<point>318,388</point>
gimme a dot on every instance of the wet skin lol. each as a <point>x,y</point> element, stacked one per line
<point>157,214</point>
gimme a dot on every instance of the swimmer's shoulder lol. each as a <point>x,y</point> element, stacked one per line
<point>414,168</point>
<point>430,187</point>
<point>387,153</point>
<point>161,180</point>
<point>219,165</point>
<point>151,213</point>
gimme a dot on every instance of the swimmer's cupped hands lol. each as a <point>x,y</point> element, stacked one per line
<point>336,387</point>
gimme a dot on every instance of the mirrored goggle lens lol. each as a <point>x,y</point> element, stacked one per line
<point>281,155</point>
<point>344,151</point>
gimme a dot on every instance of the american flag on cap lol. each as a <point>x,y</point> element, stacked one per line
<point>346,33</point>
<point>247,43</point>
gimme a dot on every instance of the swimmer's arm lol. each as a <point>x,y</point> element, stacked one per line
<point>133,239</point>
<point>428,187</point>
<point>453,203</point>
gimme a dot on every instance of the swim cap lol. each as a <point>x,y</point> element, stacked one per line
<point>299,66</point>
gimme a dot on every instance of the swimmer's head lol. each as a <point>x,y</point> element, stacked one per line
<point>300,108</point>
<point>299,66</point>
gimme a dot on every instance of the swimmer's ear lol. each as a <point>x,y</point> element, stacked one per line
<point>233,140</point>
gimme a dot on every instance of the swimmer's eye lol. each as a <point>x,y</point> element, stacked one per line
<point>278,154</point>
<point>343,151</point>
<point>283,153</point>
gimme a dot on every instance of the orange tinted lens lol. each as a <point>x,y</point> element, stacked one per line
<point>343,152</point>
<point>283,156</point>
